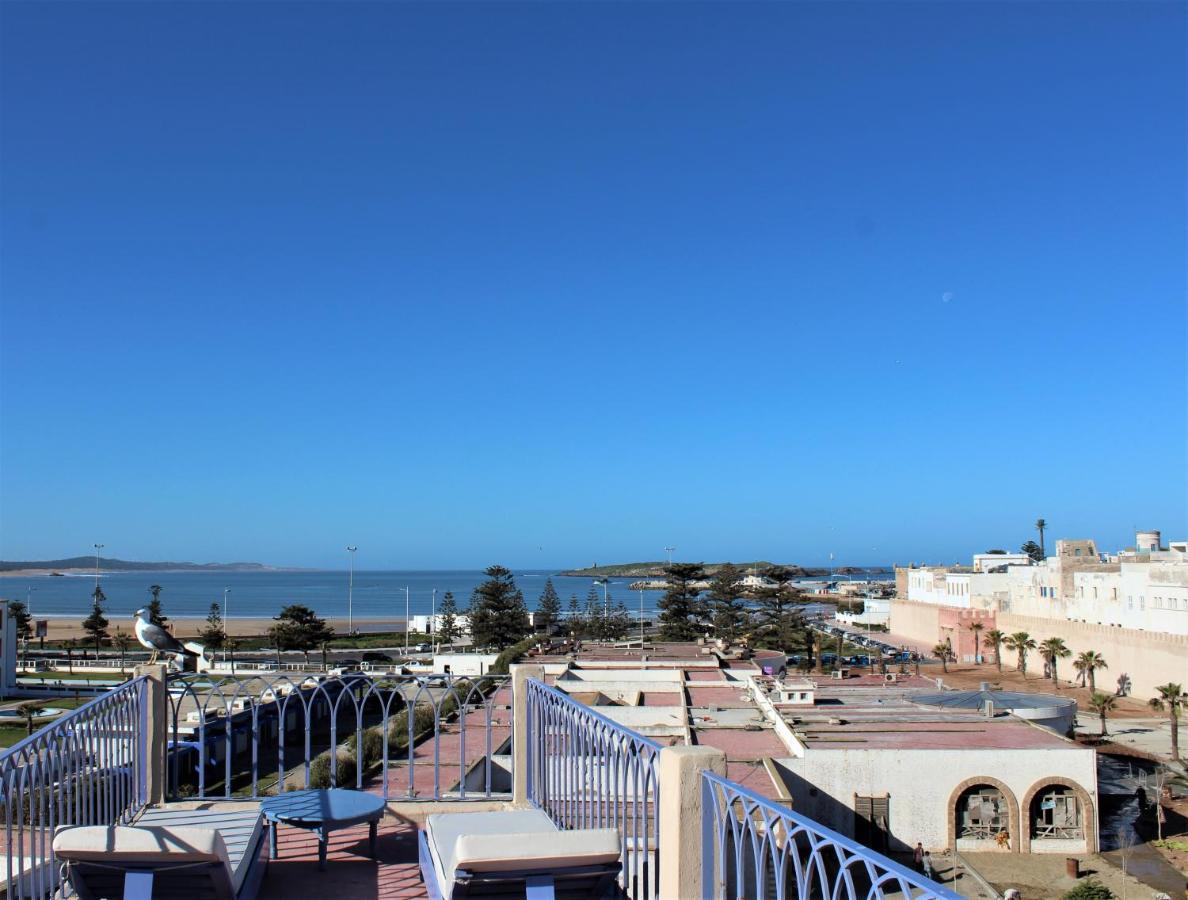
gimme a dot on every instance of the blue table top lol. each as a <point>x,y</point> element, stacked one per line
<point>337,807</point>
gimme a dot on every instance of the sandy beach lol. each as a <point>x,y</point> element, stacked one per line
<point>62,628</point>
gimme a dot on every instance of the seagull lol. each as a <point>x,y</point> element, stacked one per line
<point>157,639</point>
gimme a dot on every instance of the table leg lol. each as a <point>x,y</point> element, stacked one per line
<point>371,833</point>
<point>323,840</point>
<point>272,840</point>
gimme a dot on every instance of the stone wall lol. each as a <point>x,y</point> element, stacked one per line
<point>1147,658</point>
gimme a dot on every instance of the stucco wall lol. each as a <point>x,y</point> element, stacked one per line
<point>921,807</point>
<point>916,621</point>
<point>1148,658</point>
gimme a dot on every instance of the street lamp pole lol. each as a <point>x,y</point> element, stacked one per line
<point>641,621</point>
<point>433,618</point>
<point>669,551</point>
<point>226,620</point>
<point>407,620</point>
<point>98,547</point>
<point>351,593</point>
<point>29,599</point>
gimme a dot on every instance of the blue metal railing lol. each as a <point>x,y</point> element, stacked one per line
<point>420,737</point>
<point>88,767</point>
<point>752,847</point>
<point>586,771</point>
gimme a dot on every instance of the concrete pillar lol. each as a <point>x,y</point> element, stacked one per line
<point>680,818</point>
<point>520,675</point>
<point>156,722</point>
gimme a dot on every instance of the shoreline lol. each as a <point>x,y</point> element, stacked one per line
<point>65,627</point>
<point>90,573</point>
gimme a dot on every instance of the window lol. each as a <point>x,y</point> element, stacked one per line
<point>1056,815</point>
<point>982,813</point>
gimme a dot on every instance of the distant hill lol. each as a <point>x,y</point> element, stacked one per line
<point>656,570</point>
<point>125,565</point>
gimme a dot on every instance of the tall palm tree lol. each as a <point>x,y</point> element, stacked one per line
<point>941,651</point>
<point>1040,525</point>
<point>1101,704</point>
<point>1172,699</point>
<point>977,628</point>
<point>1020,642</point>
<point>993,639</point>
<point>1054,649</point>
<point>1088,663</point>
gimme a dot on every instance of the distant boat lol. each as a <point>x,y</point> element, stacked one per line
<point>56,575</point>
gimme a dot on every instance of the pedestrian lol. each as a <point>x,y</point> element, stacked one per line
<point>918,857</point>
<point>927,864</point>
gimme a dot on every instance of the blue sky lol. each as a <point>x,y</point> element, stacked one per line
<point>546,284</point>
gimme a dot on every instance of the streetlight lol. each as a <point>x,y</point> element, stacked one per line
<point>605,602</point>
<point>350,593</point>
<point>29,599</point>
<point>98,547</point>
<point>669,551</point>
<point>226,622</point>
<point>641,623</point>
<point>433,618</point>
<point>407,622</point>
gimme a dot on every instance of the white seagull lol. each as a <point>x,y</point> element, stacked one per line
<point>157,639</point>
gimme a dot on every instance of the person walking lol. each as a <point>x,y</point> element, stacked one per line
<point>927,863</point>
<point>918,857</point>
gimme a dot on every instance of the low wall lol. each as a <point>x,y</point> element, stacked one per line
<point>1147,658</point>
<point>916,621</point>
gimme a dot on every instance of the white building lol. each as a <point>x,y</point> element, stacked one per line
<point>875,611</point>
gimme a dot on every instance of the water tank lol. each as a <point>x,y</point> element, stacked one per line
<point>1147,541</point>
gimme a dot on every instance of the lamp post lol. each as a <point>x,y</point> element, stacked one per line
<point>669,550</point>
<point>407,621</point>
<point>98,547</point>
<point>641,623</point>
<point>433,618</point>
<point>29,599</point>
<point>350,593</point>
<point>227,623</point>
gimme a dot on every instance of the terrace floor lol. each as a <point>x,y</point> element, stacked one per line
<point>350,872</point>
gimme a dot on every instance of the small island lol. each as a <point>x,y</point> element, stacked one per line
<point>87,564</point>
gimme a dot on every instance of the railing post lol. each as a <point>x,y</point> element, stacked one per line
<point>520,775</point>
<point>681,831</point>
<point>155,719</point>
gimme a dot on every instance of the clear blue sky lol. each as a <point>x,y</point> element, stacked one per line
<point>546,284</point>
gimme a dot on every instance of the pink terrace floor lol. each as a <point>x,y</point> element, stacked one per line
<point>350,872</point>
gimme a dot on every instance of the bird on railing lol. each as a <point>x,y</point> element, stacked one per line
<point>157,639</point>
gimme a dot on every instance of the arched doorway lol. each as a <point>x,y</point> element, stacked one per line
<point>983,815</point>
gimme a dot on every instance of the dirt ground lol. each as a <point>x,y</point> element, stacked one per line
<point>1043,876</point>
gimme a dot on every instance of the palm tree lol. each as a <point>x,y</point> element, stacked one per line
<point>69,646</point>
<point>1054,649</point>
<point>1101,704</point>
<point>29,711</point>
<point>941,651</point>
<point>1173,699</point>
<point>122,642</point>
<point>993,639</point>
<point>1040,525</point>
<point>976,628</point>
<point>1088,663</point>
<point>1020,642</point>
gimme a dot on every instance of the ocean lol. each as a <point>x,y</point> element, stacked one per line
<point>262,594</point>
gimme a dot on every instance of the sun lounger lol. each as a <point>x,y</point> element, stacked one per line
<point>168,853</point>
<point>520,851</point>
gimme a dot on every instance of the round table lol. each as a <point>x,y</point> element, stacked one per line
<point>323,812</point>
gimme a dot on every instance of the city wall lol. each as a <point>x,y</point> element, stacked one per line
<point>1147,658</point>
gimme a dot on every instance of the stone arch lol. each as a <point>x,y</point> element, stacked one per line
<point>1016,822</point>
<point>1088,810</point>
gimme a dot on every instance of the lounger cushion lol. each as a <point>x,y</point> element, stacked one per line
<point>536,850</point>
<point>122,844</point>
<point>240,825</point>
<point>444,829</point>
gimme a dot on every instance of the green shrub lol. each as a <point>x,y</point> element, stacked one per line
<point>373,747</point>
<point>1089,889</point>
<point>319,771</point>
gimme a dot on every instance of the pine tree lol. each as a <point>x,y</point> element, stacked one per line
<point>593,621</point>
<point>681,607</point>
<point>156,617</point>
<point>573,620</point>
<point>778,613</point>
<point>213,635</point>
<point>96,623</point>
<point>726,603</point>
<point>498,616</point>
<point>548,609</point>
<point>299,628</point>
<point>18,612</point>
<point>448,629</point>
<point>618,623</point>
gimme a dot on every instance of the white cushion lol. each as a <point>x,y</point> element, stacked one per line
<point>120,844</point>
<point>536,850</point>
